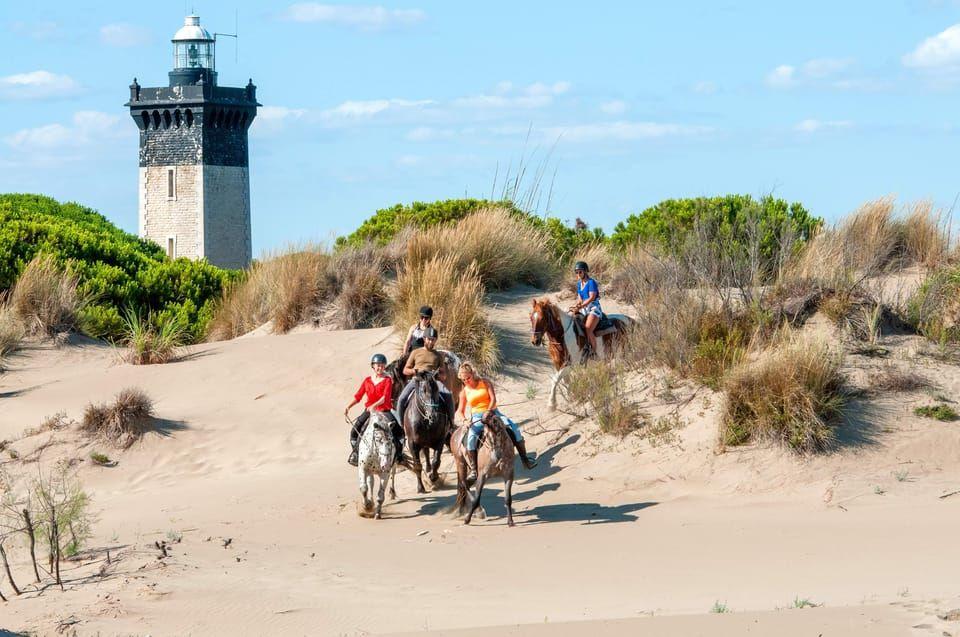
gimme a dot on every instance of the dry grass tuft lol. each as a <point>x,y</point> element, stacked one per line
<point>284,289</point>
<point>599,386</point>
<point>890,378</point>
<point>362,300</point>
<point>11,333</point>
<point>121,423</point>
<point>504,250</point>
<point>793,393</point>
<point>44,300</point>
<point>457,299</point>
<point>924,237</point>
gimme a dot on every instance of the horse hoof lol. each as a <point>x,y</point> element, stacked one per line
<point>376,516</point>
<point>421,490</point>
<point>510,523</point>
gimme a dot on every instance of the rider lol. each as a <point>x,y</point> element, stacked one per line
<point>478,394</point>
<point>589,304</point>
<point>415,335</point>
<point>378,388</point>
<point>426,359</point>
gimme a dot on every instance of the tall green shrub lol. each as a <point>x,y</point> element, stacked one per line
<point>115,269</point>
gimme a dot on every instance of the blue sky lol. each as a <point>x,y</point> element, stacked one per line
<point>622,103</point>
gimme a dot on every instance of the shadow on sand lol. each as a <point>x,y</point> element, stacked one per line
<point>166,428</point>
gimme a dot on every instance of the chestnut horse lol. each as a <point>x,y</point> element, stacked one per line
<point>566,340</point>
<point>494,460</point>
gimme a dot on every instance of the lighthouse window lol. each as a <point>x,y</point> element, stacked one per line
<point>171,183</point>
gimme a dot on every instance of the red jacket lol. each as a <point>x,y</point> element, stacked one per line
<point>374,392</point>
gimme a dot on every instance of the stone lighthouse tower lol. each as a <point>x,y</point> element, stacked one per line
<point>194,186</point>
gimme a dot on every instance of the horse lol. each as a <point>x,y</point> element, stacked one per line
<point>377,456</point>
<point>426,424</point>
<point>494,460</point>
<point>567,340</point>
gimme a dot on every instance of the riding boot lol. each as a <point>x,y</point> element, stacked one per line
<point>358,427</point>
<point>524,458</point>
<point>472,466</point>
<point>353,459</point>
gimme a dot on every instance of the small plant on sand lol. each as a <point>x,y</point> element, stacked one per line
<point>663,431</point>
<point>945,413</point>
<point>878,490</point>
<point>531,391</point>
<point>803,602</point>
<point>719,607</point>
<point>794,393</point>
<point>152,341</point>
<point>935,308</point>
<point>62,515</point>
<point>598,387</point>
<point>100,459</point>
<point>901,475</point>
<point>121,423</point>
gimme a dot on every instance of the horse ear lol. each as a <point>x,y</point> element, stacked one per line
<point>533,302</point>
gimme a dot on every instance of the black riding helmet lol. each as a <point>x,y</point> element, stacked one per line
<point>431,332</point>
<point>581,265</point>
<point>426,312</point>
<point>378,358</point>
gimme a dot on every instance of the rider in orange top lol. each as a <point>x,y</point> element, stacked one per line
<point>478,394</point>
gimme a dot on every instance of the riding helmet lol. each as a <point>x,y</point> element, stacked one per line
<point>581,265</point>
<point>431,332</point>
<point>426,312</point>
<point>378,358</point>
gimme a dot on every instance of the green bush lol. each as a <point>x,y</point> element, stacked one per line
<point>770,223</point>
<point>385,224</point>
<point>115,269</point>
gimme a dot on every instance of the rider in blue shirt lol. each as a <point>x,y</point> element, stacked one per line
<point>589,304</point>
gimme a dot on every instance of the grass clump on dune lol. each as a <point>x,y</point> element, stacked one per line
<point>599,386</point>
<point>944,413</point>
<point>935,307</point>
<point>457,299</point>
<point>504,250</point>
<point>152,340</point>
<point>44,298</point>
<point>362,300</point>
<point>121,423</point>
<point>284,288</point>
<point>794,393</point>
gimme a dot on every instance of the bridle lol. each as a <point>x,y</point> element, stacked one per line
<point>428,409</point>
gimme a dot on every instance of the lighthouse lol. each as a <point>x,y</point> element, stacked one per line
<point>194,178</point>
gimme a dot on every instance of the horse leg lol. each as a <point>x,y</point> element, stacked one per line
<point>508,498</point>
<point>380,494</point>
<point>462,493</point>
<point>554,381</point>
<point>435,466</point>
<point>363,485</point>
<point>419,468</point>
<point>476,497</point>
<point>393,482</point>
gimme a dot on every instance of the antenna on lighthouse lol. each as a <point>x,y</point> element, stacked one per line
<point>235,35</point>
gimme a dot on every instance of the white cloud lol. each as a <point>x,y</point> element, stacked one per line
<point>704,88</point>
<point>941,51</point>
<point>273,119</point>
<point>782,76</point>
<point>364,17</point>
<point>614,107</point>
<point>536,95</point>
<point>356,109</point>
<point>824,67</point>
<point>37,85</point>
<point>408,161</point>
<point>46,30</point>
<point>86,128</point>
<point>123,35</point>
<point>815,125</point>
<point>817,70</point>
<point>624,131</point>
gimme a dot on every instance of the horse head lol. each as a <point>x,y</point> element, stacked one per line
<point>538,321</point>
<point>427,384</point>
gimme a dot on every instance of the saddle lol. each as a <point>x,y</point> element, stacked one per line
<point>605,326</point>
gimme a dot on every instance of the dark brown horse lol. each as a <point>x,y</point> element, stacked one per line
<point>566,339</point>
<point>426,422</point>
<point>494,460</point>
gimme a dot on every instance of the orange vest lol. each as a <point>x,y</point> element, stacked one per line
<point>478,399</point>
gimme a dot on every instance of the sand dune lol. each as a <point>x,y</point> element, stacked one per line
<point>252,448</point>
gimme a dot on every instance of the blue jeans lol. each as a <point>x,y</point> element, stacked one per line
<point>476,428</point>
